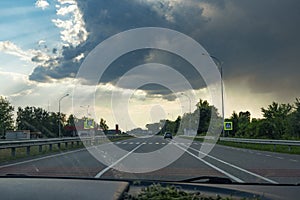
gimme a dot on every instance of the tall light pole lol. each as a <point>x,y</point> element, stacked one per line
<point>219,64</point>
<point>59,131</point>
<point>190,103</point>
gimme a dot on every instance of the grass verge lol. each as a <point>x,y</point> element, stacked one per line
<point>263,147</point>
<point>260,147</point>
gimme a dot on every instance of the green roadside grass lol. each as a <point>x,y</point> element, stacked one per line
<point>263,147</point>
<point>5,154</point>
<point>121,138</point>
<point>260,147</point>
<point>195,139</point>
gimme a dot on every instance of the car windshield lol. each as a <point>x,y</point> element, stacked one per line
<point>90,88</point>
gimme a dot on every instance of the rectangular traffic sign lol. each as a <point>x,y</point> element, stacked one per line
<point>228,126</point>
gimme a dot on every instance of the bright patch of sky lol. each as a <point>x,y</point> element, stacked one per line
<point>30,33</point>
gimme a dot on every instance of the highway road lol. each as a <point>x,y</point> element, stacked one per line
<point>241,165</point>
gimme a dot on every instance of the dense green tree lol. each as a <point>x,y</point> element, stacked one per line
<point>53,124</point>
<point>165,126</point>
<point>177,124</point>
<point>25,119</point>
<point>240,123</point>
<point>204,109</point>
<point>6,115</point>
<point>235,120</point>
<point>243,123</point>
<point>171,126</point>
<point>266,129</point>
<point>39,120</point>
<point>277,117</point>
<point>70,128</point>
<point>245,116</point>
<point>204,114</point>
<point>103,125</point>
<point>293,122</point>
<point>251,131</point>
<point>296,119</point>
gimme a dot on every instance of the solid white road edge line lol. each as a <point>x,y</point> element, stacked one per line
<point>42,158</point>
<point>211,165</point>
<point>119,160</point>
<point>50,156</point>
<point>234,166</point>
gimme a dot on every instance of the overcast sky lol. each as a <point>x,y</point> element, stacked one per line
<point>43,43</point>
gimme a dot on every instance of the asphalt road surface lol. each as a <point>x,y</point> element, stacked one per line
<point>156,158</point>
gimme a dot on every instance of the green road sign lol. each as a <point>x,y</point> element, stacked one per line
<point>228,126</point>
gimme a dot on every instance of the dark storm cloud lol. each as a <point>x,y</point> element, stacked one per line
<point>154,89</point>
<point>103,19</point>
<point>126,62</point>
<point>257,39</point>
<point>260,42</point>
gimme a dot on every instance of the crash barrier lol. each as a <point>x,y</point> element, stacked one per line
<point>28,144</point>
<point>288,143</point>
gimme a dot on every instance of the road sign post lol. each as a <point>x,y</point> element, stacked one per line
<point>228,126</point>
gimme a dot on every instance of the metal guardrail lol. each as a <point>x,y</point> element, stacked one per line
<point>288,143</point>
<point>13,145</point>
<point>262,141</point>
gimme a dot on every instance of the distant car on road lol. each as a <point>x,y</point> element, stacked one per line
<point>168,135</point>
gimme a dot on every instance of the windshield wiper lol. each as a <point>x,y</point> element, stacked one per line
<point>209,179</point>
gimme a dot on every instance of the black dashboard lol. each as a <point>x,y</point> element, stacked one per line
<point>78,188</point>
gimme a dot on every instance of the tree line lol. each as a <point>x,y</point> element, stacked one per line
<point>37,119</point>
<point>279,121</point>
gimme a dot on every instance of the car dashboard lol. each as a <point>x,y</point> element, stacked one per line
<point>90,188</point>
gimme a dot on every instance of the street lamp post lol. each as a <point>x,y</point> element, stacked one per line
<point>59,131</point>
<point>219,63</point>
